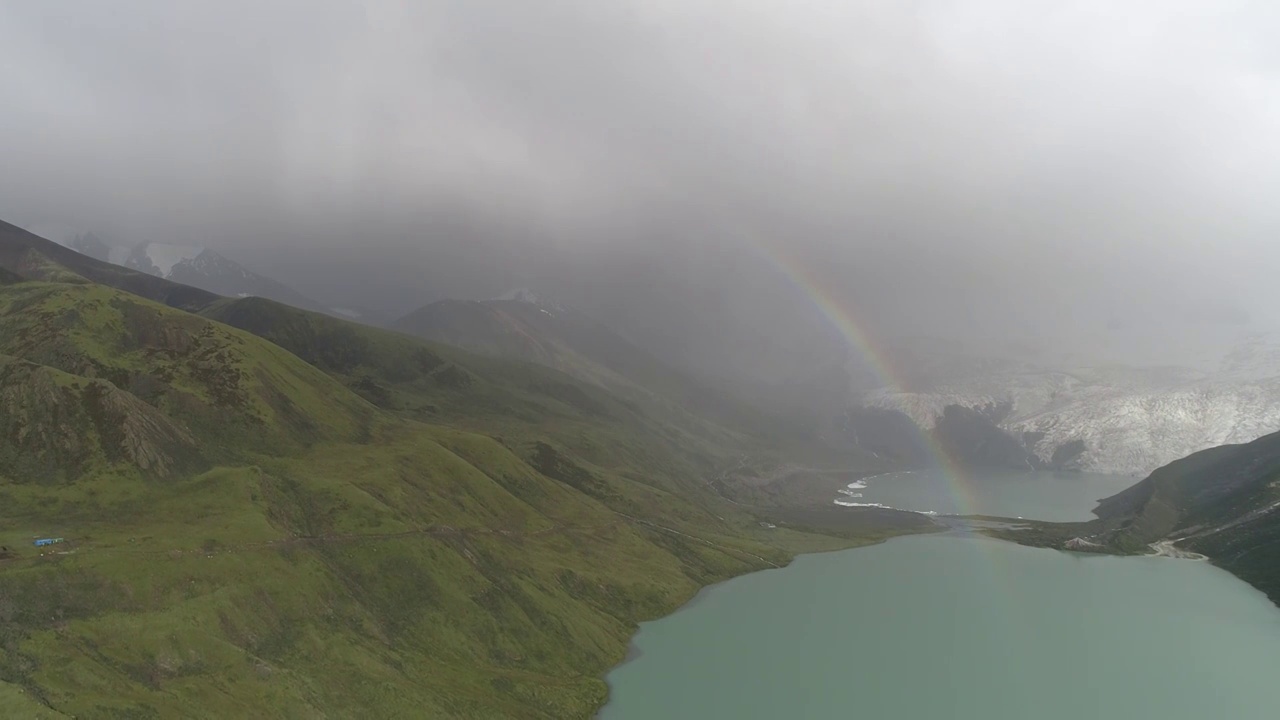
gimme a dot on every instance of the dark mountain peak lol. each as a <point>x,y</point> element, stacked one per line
<point>31,257</point>
<point>92,245</point>
<point>193,265</point>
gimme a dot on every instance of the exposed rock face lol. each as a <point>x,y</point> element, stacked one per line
<point>969,436</point>
<point>972,438</point>
<point>1067,456</point>
<point>1081,545</point>
<point>59,422</point>
<point>889,434</point>
<point>38,416</point>
<point>146,437</point>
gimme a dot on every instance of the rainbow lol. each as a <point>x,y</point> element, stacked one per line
<point>859,340</point>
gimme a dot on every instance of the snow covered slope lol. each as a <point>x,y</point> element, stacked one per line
<point>1138,431</point>
<point>1131,420</point>
<point>160,258</point>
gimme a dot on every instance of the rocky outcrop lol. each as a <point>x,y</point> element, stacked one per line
<point>888,434</point>
<point>969,436</point>
<point>972,438</point>
<point>141,434</point>
<point>54,424</point>
<point>1077,544</point>
<point>1068,456</point>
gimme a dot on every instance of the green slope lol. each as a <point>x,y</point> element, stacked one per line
<point>307,518</point>
<point>654,442</point>
<point>555,337</point>
<point>589,351</point>
<point>1223,503</point>
<point>214,379</point>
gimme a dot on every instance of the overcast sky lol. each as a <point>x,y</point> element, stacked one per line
<point>1042,168</point>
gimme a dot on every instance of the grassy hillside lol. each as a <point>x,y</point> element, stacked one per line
<point>551,336</point>
<point>300,517</point>
<point>649,439</point>
<point>583,348</point>
<point>215,380</point>
<point>395,578</point>
<point>1223,503</point>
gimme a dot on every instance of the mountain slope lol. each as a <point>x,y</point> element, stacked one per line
<point>1222,503</point>
<point>34,258</point>
<point>528,329</point>
<point>206,269</point>
<point>547,334</point>
<point>639,436</point>
<point>61,425</point>
<point>257,528</point>
<point>189,266</point>
<point>208,375</point>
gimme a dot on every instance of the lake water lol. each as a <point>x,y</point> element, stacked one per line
<point>962,627</point>
<point>1051,496</point>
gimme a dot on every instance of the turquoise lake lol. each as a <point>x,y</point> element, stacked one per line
<point>961,626</point>
<point>1054,496</point>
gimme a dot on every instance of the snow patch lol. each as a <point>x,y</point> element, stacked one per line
<point>164,256</point>
<point>1131,420</point>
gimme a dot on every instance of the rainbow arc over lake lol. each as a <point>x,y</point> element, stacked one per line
<point>860,340</point>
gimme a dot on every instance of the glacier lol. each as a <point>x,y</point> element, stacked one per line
<point>1131,420</point>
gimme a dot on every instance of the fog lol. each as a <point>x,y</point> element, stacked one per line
<point>1090,180</point>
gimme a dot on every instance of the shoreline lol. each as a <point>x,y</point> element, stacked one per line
<point>954,525</point>
<point>633,652</point>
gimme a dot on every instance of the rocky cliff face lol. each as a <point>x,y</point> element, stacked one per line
<point>972,437</point>
<point>59,424</point>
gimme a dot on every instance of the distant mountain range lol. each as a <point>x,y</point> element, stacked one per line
<point>984,412</point>
<point>198,267</point>
<point>1112,419</point>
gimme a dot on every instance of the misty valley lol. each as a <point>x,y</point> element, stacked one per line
<point>639,359</point>
<point>229,506</point>
<point>228,503</point>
